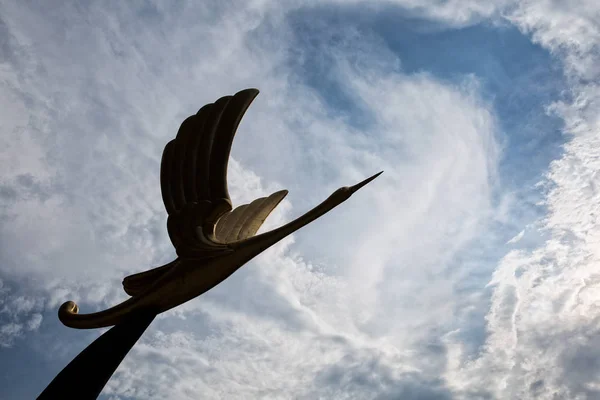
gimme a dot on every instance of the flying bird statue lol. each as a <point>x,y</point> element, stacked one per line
<point>212,239</point>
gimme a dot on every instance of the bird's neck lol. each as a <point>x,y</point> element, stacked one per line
<point>257,244</point>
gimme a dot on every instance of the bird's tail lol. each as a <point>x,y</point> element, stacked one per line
<point>68,314</point>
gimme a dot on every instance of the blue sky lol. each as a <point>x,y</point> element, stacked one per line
<point>469,270</point>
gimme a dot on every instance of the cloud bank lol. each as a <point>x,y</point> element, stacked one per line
<point>408,291</point>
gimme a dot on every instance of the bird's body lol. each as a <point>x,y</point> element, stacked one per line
<point>212,239</point>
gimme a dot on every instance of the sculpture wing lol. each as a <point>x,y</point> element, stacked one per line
<point>138,283</point>
<point>245,220</point>
<point>193,179</point>
<point>194,182</point>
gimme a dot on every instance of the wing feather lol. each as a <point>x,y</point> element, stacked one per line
<point>227,227</point>
<point>165,175</point>
<point>230,119</point>
<point>206,149</point>
<point>239,224</point>
<point>177,183</point>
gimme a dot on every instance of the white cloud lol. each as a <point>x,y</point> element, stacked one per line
<point>543,320</point>
<point>89,104</point>
<point>570,31</point>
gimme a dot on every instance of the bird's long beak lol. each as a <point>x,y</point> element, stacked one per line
<point>354,188</point>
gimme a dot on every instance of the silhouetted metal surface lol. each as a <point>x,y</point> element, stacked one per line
<point>85,376</point>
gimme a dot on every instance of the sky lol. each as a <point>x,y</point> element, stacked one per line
<point>469,270</point>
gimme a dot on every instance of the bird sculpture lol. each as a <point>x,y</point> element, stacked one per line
<point>212,239</point>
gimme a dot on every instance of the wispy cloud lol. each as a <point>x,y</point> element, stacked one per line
<point>543,317</point>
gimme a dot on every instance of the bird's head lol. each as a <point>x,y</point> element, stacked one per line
<point>344,193</point>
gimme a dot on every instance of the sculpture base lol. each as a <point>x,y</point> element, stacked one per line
<point>88,373</point>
